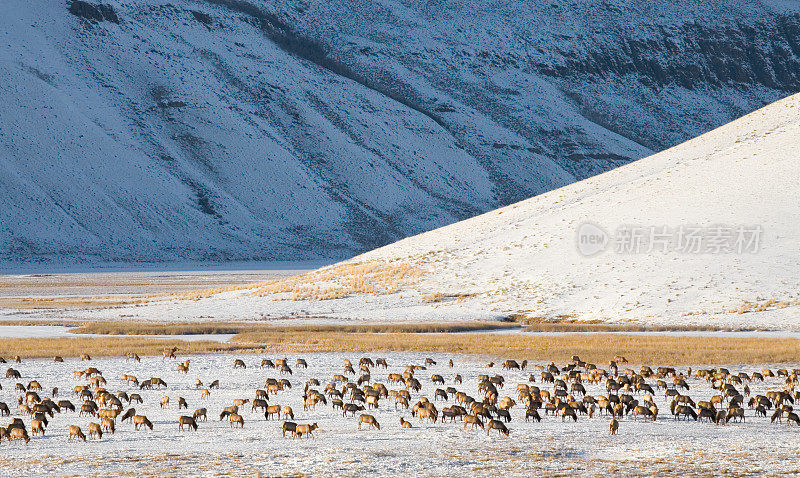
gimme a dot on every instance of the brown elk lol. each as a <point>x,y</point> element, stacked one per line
<point>204,393</point>
<point>306,429</point>
<point>200,412</point>
<point>169,353</point>
<point>369,420</point>
<point>404,423</point>
<point>132,356</point>
<point>183,367</point>
<point>614,426</point>
<point>273,410</point>
<point>18,434</point>
<point>239,363</point>
<point>75,431</point>
<point>141,420</point>
<point>237,419</point>
<point>288,412</point>
<point>94,429</point>
<point>85,357</point>
<point>108,425</point>
<point>37,427</point>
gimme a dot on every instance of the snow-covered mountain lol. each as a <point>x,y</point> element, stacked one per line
<point>237,130</point>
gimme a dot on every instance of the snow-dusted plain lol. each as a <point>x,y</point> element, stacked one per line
<point>665,447</point>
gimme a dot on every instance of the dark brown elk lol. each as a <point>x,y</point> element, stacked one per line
<point>369,420</point>
<point>75,431</point>
<point>511,364</point>
<point>301,363</point>
<point>4,411</point>
<point>614,426</point>
<point>141,420</point>
<point>792,417</point>
<point>351,408</point>
<point>58,359</point>
<point>228,411</point>
<point>239,363</point>
<point>129,414</point>
<point>11,373</point>
<point>289,427</point>
<point>214,384</point>
<point>267,362</point>
<point>200,413</point>
<point>260,404</point>
<point>497,425</point>
<point>187,421</point>
<point>532,413</point>
<point>182,403</point>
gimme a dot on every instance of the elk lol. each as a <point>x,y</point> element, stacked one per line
<point>272,410</point>
<point>141,420</point>
<point>301,430</point>
<point>94,429</point>
<point>614,426</point>
<point>200,412</point>
<point>289,427</point>
<point>237,419</point>
<point>108,425</point>
<point>369,420</point>
<point>404,423</point>
<point>75,431</point>
<point>497,425</point>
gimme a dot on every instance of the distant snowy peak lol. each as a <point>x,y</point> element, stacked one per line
<point>241,130</point>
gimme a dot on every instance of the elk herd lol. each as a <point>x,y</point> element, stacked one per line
<point>418,394</point>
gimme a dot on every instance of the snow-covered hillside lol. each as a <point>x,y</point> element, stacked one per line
<point>239,130</point>
<point>526,258</point>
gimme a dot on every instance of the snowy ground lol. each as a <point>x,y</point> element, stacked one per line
<point>664,447</point>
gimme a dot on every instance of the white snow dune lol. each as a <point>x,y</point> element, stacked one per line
<point>524,259</point>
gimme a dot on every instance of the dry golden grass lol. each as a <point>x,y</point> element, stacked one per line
<point>599,348</point>
<point>93,302</point>
<point>106,347</point>
<point>341,280</point>
<point>761,306</point>
<point>194,328</point>
<point>603,327</point>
